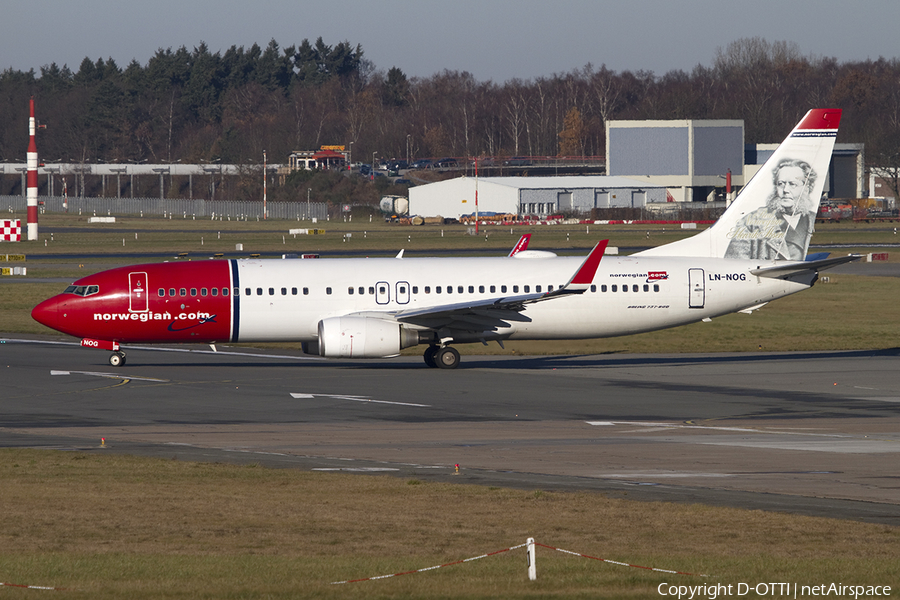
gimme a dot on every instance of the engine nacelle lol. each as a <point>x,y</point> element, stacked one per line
<point>362,337</point>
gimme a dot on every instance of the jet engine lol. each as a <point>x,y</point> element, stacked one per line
<point>362,337</point>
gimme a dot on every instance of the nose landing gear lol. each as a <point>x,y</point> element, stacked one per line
<point>117,359</point>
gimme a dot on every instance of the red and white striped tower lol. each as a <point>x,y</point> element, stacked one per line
<point>32,177</point>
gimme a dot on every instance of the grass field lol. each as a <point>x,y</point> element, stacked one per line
<point>110,526</point>
<point>113,526</point>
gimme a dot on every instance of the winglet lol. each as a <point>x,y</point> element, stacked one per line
<point>585,273</point>
<point>522,244</point>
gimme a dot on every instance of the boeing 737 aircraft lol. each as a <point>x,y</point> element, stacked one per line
<point>375,307</point>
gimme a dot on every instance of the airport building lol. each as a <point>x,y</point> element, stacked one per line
<point>536,196</point>
<point>690,158</point>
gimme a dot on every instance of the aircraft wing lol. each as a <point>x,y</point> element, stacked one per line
<point>489,314</point>
<point>809,266</point>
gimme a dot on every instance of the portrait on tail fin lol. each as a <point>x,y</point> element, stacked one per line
<point>781,229</point>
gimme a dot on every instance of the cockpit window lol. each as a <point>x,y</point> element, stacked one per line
<point>82,290</point>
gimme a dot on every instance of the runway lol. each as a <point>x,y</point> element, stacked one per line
<point>809,433</point>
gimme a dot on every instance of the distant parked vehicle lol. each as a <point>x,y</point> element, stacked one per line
<point>403,182</point>
<point>446,163</point>
<point>422,163</point>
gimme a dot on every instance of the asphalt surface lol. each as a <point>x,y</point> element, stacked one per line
<point>806,433</point>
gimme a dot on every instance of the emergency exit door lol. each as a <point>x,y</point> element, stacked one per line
<point>697,297</point>
<point>137,292</point>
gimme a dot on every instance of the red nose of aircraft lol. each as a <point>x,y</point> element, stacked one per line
<point>47,312</point>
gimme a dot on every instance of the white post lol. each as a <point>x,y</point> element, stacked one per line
<point>529,557</point>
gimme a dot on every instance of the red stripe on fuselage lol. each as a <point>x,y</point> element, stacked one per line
<point>185,316</point>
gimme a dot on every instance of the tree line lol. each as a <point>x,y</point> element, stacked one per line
<point>198,106</point>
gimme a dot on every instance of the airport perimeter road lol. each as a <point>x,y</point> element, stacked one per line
<point>811,433</point>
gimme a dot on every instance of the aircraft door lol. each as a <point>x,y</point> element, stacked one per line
<point>382,292</point>
<point>138,292</point>
<point>402,292</point>
<point>697,298</point>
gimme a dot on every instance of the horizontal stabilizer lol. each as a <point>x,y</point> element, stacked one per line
<point>809,266</point>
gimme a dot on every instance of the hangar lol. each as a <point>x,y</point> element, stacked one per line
<point>538,196</point>
<point>690,157</point>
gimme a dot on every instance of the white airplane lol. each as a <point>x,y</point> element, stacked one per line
<point>375,307</point>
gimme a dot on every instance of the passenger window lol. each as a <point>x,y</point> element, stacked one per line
<point>215,291</point>
<point>161,292</point>
<point>284,291</point>
<point>402,289</point>
<point>259,291</point>
<point>603,288</point>
<point>306,291</point>
<point>372,291</point>
<point>624,288</point>
<point>655,287</point>
<point>526,289</point>
<point>537,288</point>
<point>237,291</point>
<point>614,288</point>
<point>449,289</point>
<point>427,289</point>
<point>634,288</point>
<point>171,291</point>
<point>437,290</point>
<point>549,288</point>
<point>593,288</point>
<point>362,290</point>
<point>515,289</point>
<point>193,291</point>
<point>480,289</point>
<point>293,291</point>
<point>646,288</point>
<point>502,289</point>
<point>415,289</point>
<point>182,292</point>
<point>224,291</point>
<point>328,291</point>
<point>471,289</point>
<point>350,290</point>
<point>493,289</point>
<point>203,291</point>
<point>459,289</point>
<point>247,292</point>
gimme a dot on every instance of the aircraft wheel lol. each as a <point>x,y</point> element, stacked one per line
<point>448,358</point>
<point>117,359</point>
<point>429,356</point>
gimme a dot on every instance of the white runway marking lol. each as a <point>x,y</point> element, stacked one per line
<point>771,439</point>
<point>301,396</point>
<point>109,375</point>
<point>356,469</point>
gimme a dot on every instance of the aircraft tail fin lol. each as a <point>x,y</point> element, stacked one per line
<point>773,216</point>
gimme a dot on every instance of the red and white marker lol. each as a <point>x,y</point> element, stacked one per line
<point>32,176</point>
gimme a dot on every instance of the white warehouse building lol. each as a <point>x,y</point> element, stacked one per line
<point>539,196</point>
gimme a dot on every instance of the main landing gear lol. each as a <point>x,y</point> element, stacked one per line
<point>445,357</point>
<point>117,359</point>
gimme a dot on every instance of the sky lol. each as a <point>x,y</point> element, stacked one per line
<point>495,40</point>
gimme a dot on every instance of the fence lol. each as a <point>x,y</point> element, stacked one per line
<point>174,206</point>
